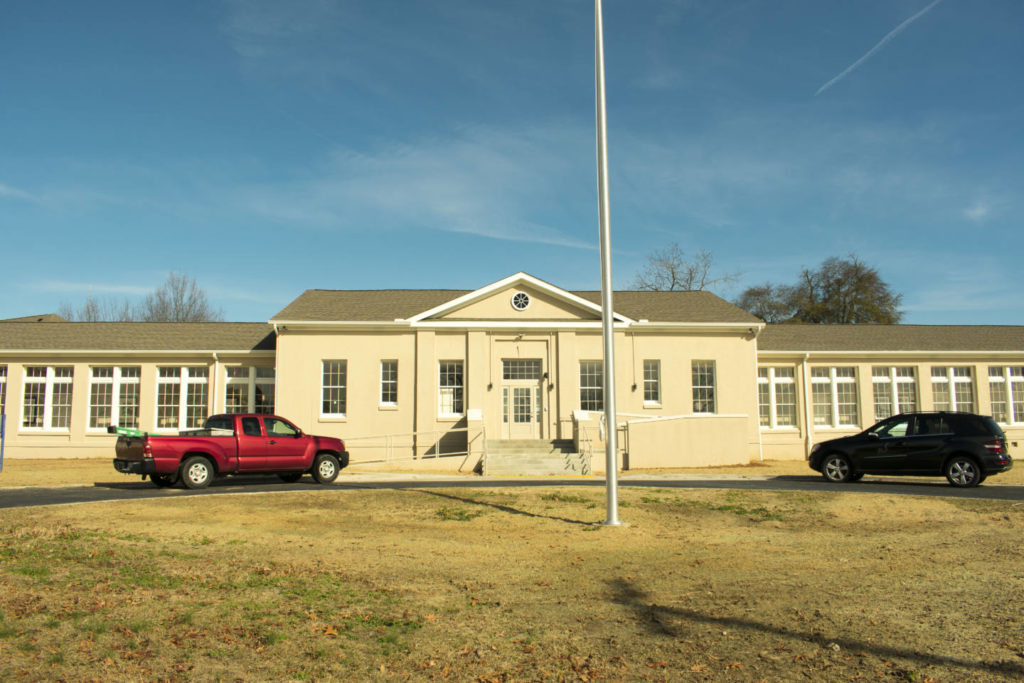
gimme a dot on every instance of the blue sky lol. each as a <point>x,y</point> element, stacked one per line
<point>268,147</point>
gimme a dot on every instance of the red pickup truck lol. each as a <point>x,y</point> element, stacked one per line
<point>231,444</point>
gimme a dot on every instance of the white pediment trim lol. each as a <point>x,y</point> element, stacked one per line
<point>519,279</point>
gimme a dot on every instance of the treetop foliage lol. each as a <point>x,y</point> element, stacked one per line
<point>178,300</point>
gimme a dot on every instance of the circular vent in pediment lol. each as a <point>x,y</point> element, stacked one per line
<point>520,301</point>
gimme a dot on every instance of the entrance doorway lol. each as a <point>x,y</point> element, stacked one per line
<point>521,398</point>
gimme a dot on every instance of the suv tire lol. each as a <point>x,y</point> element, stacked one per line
<point>837,468</point>
<point>963,472</point>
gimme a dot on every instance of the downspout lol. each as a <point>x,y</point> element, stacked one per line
<point>808,418</point>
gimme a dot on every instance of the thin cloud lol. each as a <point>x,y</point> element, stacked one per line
<point>61,286</point>
<point>14,193</point>
<point>889,36</point>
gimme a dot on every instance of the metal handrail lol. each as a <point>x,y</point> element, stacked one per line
<point>391,442</point>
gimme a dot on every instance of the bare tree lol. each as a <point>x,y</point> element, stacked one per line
<point>840,291</point>
<point>179,299</point>
<point>99,310</point>
<point>668,270</point>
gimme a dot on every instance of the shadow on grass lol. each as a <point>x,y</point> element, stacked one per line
<point>504,508</point>
<point>658,620</point>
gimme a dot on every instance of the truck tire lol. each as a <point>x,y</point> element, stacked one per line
<point>196,472</point>
<point>325,468</point>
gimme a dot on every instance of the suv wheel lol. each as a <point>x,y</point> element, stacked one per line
<point>963,472</point>
<point>837,468</point>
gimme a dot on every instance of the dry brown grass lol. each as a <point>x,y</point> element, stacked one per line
<point>513,584</point>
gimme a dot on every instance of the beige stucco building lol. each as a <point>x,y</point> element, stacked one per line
<point>451,379</point>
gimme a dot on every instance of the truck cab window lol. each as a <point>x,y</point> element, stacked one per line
<point>277,427</point>
<point>250,426</point>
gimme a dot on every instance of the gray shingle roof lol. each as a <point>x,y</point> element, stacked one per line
<point>41,318</point>
<point>892,338</point>
<point>64,336</point>
<point>386,305</point>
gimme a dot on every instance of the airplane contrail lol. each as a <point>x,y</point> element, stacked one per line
<point>889,36</point>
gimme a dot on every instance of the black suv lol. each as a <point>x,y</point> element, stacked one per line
<point>964,447</point>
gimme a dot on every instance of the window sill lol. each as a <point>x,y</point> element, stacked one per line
<point>333,418</point>
<point>650,405</point>
<point>386,407</point>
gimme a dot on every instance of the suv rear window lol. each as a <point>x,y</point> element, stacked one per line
<point>992,427</point>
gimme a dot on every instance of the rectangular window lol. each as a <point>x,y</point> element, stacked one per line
<point>895,391</point>
<point>592,385</point>
<point>652,382</point>
<point>1006,387</point>
<point>449,382</point>
<point>47,398</point>
<point>249,390</point>
<point>703,374</point>
<point>953,388</point>
<point>333,388</point>
<point>389,382</point>
<point>776,394</point>
<point>181,397</point>
<point>834,396</point>
<point>114,397</point>
<point>521,368</point>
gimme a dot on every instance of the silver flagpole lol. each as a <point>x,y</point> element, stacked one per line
<point>607,328</point>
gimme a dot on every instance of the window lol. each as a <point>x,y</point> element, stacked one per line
<point>592,385</point>
<point>47,398</point>
<point>703,373</point>
<point>181,398</point>
<point>249,390</point>
<point>1006,387</point>
<point>3,389</point>
<point>834,394</point>
<point>953,388</point>
<point>449,403</point>
<point>389,382</point>
<point>652,382</point>
<point>776,397</point>
<point>521,368</point>
<point>278,427</point>
<point>333,388</point>
<point>114,397</point>
<point>895,391</point>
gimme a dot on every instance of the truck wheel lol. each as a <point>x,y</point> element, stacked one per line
<point>325,468</point>
<point>196,472</point>
<point>163,480</point>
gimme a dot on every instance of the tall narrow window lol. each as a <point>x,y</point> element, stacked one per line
<point>249,390</point>
<point>592,385</point>
<point>114,397</point>
<point>776,395</point>
<point>834,395</point>
<point>895,391</point>
<point>450,403</point>
<point>652,382</point>
<point>389,382</point>
<point>333,388</point>
<point>703,382</point>
<point>181,397</point>
<point>953,388</point>
<point>3,389</point>
<point>47,398</point>
<point>1006,388</point>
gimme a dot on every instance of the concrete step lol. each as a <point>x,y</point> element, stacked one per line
<point>519,464</point>
<point>530,446</point>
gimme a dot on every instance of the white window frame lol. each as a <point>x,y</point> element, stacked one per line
<point>184,379</point>
<point>1010,378</point>
<point>954,378</point>
<point>772,378</point>
<point>652,383</point>
<point>389,383</point>
<point>3,389</point>
<point>587,371</point>
<point>53,376</point>
<point>251,379</point>
<point>890,379</point>
<point>121,376</point>
<point>342,388</point>
<point>703,392</point>
<point>451,397</point>
<point>836,376</point>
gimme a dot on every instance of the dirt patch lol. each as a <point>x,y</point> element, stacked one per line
<point>514,584</point>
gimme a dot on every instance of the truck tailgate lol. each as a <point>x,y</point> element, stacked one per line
<point>130,447</point>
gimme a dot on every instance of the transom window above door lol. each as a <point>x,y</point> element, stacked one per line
<point>521,368</point>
